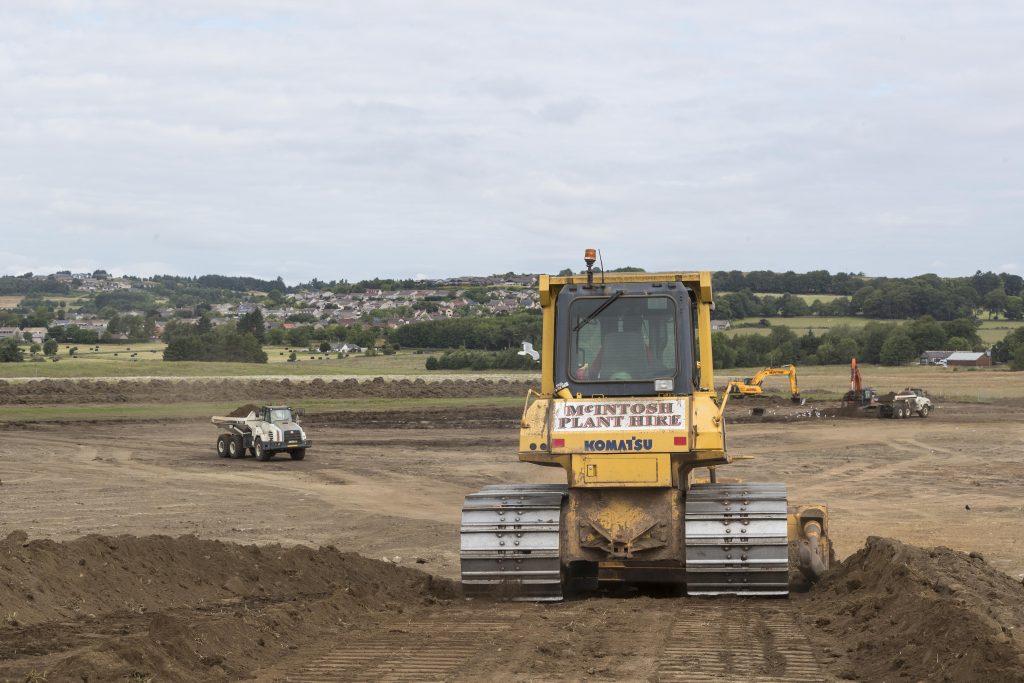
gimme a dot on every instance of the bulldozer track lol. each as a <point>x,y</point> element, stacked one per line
<point>510,542</point>
<point>428,650</point>
<point>737,643</point>
<point>736,539</point>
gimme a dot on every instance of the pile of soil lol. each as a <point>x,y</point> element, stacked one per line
<point>893,611</point>
<point>55,392</point>
<point>243,411</point>
<point>109,608</point>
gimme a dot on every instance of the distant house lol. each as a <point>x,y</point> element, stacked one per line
<point>347,348</point>
<point>933,357</point>
<point>38,334</point>
<point>8,332</point>
<point>971,359</point>
<point>719,325</point>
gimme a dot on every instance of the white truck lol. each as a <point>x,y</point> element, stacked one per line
<point>910,401</point>
<point>263,431</point>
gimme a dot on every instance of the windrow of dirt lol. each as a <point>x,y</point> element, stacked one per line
<point>113,608</point>
<point>893,611</point>
<point>55,392</point>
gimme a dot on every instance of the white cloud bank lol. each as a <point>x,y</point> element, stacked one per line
<point>347,140</point>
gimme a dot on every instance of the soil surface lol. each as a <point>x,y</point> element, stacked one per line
<point>97,581</point>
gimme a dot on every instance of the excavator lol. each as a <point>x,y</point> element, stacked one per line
<point>751,386</point>
<point>628,409</point>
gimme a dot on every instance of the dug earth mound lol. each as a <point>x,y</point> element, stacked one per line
<point>182,609</point>
<point>894,611</point>
<point>104,608</point>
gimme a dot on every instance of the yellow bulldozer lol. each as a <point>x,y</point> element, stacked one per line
<point>752,386</point>
<point>627,407</point>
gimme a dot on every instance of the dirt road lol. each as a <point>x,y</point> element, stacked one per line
<point>955,479</point>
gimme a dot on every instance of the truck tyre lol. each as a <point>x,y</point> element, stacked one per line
<point>897,412</point>
<point>298,453</point>
<point>924,411</point>
<point>235,448</point>
<point>261,454</point>
<point>906,411</point>
<point>222,445</point>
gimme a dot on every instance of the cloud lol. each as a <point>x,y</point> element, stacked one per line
<point>353,140</point>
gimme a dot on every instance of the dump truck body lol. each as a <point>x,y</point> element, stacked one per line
<point>263,432</point>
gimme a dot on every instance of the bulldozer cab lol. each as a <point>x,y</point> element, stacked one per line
<point>626,339</point>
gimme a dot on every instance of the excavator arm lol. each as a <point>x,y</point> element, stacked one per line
<point>752,385</point>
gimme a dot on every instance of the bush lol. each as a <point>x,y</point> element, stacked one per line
<point>1017,362</point>
<point>10,352</point>
<point>224,343</point>
<point>460,359</point>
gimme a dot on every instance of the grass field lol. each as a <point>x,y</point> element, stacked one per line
<point>10,301</point>
<point>800,325</point>
<point>818,382</point>
<point>996,330</point>
<point>201,410</point>
<point>832,381</point>
<point>809,298</point>
<point>991,330</point>
<point>104,363</point>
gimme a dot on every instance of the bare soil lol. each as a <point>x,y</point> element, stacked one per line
<point>98,582</point>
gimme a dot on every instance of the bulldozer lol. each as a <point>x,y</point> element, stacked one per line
<point>628,409</point>
<point>751,386</point>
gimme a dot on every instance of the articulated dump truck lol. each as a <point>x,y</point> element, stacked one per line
<point>627,408</point>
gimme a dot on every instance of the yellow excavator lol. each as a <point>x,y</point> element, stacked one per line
<point>751,386</point>
<point>627,407</point>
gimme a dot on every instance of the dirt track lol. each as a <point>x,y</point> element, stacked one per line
<point>395,490</point>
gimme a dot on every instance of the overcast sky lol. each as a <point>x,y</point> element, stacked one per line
<point>356,139</point>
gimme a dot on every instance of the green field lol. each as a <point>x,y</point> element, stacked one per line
<point>104,363</point>
<point>800,325</point>
<point>160,411</point>
<point>991,330</point>
<point>996,330</point>
<point>808,298</point>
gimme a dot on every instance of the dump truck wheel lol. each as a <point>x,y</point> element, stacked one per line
<point>924,411</point>
<point>897,412</point>
<point>222,445</point>
<point>261,454</point>
<point>298,453</point>
<point>907,411</point>
<point>235,449</point>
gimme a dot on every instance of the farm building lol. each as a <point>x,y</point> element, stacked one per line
<point>933,357</point>
<point>973,359</point>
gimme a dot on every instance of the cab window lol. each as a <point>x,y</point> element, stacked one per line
<point>627,339</point>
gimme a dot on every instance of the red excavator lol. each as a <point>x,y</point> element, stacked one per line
<point>896,405</point>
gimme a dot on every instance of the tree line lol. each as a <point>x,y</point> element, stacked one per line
<point>890,299</point>
<point>823,282</point>
<point>885,343</point>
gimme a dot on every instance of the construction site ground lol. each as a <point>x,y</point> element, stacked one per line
<point>129,551</point>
